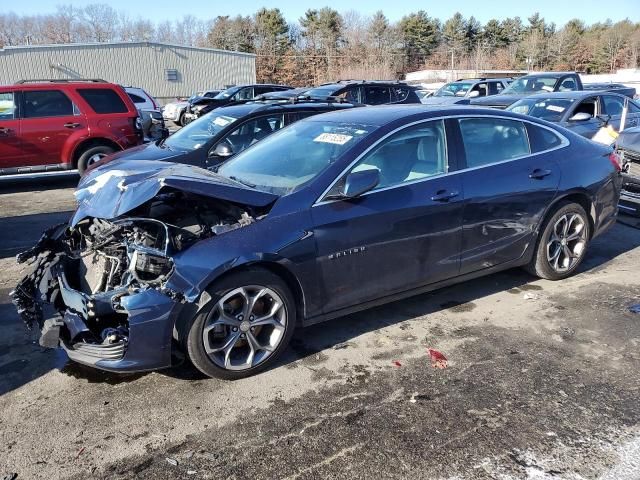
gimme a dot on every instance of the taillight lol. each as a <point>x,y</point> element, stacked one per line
<point>614,158</point>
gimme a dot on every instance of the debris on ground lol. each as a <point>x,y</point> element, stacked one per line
<point>635,308</point>
<point>10,476</point>
<point>397,363</point>
<point>438,360</point>
<point>191,472</point>
<point>172,461</point>
<point>79,452</point>
<point>530,296</point>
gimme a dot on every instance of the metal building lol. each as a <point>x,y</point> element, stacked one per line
<point>165,71</point>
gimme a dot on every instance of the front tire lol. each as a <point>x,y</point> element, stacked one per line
<point>91,156</point>
<point>245,327</point>
<point>181,119</point>
<point>562,243</point>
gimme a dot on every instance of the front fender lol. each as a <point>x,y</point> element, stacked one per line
<point>271,240</point>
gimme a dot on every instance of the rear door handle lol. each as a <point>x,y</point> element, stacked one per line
<point>5,130</point>
<point>444,195</point>
<point>539,174</point>
<point>71,125</point>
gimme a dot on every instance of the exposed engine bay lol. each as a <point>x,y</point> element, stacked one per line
<point>85,271</point>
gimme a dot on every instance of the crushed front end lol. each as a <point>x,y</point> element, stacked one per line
<point>106,280</point>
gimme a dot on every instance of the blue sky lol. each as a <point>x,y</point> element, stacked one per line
<point>558,11</point>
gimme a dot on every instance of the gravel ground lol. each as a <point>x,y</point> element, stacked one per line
<point>542,381</point>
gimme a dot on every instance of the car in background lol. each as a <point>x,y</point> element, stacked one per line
<point>367,92</point>
<point>628,147</point>
<point>174,111</point>
<point>64,124</point>
<point>461,91</point>
<point>227,131</point>
<point>331,215</point>
<point>238,93</point>
<point>545,82</point>
<point>584,112</point>
<point>153,127</point>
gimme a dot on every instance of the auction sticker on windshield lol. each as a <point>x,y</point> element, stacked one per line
<point>223,121</point>
<point>555,108</point>
<point>335,138</point>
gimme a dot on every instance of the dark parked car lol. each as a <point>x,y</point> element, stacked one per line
<point>217,136</point>
<point>240,93</point>
<point>583,112</point>
<point>628,146</point>
<point>175,111</point>
<point>462,91</point>
<point>368,92</point>
<point>328,216</point>
<point>546,83</point>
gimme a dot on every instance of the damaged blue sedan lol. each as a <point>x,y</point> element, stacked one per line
<point>331,215</point>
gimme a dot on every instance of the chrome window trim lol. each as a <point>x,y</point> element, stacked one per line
<point>563,143</point>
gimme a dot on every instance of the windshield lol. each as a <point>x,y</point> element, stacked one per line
<point>194,135</point>
<point>549,109</point>
<point>531,84</point>
<point>458,89</point>
<point>295,155</point>
<point>223,95</point>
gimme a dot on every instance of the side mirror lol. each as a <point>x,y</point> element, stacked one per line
<point>360,182</point>
<point>474,94</point>
<point>580,117</point>
<point>222,150</point>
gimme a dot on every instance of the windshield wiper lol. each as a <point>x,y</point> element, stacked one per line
<point>243,182</point>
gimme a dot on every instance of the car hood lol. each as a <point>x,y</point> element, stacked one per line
<point>114,189</point>
<point>629,139</point>
<point>443,100</point>
<point>500,100</point>
<point>147,151</point>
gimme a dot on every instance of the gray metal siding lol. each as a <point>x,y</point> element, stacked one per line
<point>131,64</point>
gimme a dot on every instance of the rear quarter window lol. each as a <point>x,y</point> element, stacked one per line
<point>541,139</point>
<point>103,100</point>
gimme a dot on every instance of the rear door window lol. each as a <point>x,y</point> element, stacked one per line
<point>7,106</point>
<point>612,105</point>
<point>103,100</point>
<point>350,94</point>
<point>46,103</point>
<point>377,95</point>
<point>491,140</point>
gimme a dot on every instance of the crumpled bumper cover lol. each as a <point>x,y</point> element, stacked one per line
<point>151,313</point>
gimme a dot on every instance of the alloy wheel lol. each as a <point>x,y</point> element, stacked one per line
<point>567,242</point>
<point>245,327</point>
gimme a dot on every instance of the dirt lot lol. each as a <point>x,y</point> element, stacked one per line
<point>543,381</point>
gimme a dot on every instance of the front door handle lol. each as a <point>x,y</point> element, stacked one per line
<point>71,125</point>
<point>5,131</point>
<point>444,195</point>
<point>539,174</point>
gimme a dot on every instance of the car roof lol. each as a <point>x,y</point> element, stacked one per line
<point>244,109</point>
<point>381,115</point>
<point>346,83</point>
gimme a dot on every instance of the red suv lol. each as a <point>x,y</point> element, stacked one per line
<point>60,125</point>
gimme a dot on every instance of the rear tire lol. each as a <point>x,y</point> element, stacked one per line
<point>91,156</point>
<point>562,243</point>
<point>245,326</point>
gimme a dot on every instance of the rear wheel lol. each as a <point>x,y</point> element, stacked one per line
<point>562,244</point>
<point>245,327</point>
<point>92,155</point>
